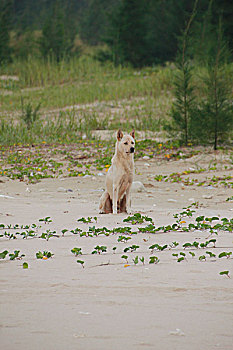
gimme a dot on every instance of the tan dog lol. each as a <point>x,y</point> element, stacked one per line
<point>119,177</point>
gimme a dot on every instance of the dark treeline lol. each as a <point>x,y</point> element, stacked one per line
<point>139,32</point>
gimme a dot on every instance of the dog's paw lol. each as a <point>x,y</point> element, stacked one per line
<point>129,212</point>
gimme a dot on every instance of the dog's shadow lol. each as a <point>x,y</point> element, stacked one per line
<point>106,204</point>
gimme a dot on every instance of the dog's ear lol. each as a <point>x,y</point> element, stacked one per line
<point>119,135</point>
<point>132,134</point>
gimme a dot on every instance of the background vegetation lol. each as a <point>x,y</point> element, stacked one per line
<point>100,64</point>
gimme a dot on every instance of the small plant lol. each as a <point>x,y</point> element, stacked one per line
<point>99,249</point>
<point>76,231</point>
<point>142,259</point>
<point>76,251</point>
<point>173,245</point>
<point>192,254</point>
<point>46,220</point>
<point>180,258</point>
<point>123,239</point>
<point>16,255</point>
<point>212,241</point>
<point>25,265</point>
<point>64,231</point>
<point>211,255</point>
<point>202,258</point>
<point>81,262</point>
<point>153,247</point>
<point>28,233</point>
<point>45,255</point>
<point>154,260</point>
<point>224,273</point>
<point>133,247</point>
<point>137,218</point>
<point>187,245</point>
<point>125,257</point>
<point>29,115</point>
<point>87,220</point>
<point>48,234</point>
<point>158,247</point>
<point>3,254</point>
<point>196,244</point>
<point>9,235</point>
<point>135,260</point>
<point>225,254</point>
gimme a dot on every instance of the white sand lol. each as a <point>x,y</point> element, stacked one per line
<point>57,304</point>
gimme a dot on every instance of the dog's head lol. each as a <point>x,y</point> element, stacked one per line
<point>125,143</point>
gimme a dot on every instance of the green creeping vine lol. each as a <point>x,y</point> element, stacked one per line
<point>125,234</point>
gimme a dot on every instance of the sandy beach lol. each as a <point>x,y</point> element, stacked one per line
<point>58,304</point>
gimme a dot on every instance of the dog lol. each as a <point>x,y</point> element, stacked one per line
<point>119,179</point>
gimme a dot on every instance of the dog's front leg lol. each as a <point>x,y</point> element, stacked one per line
<point>128,200</point>
<point>115,197</point>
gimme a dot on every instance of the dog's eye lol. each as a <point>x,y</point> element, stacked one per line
<point>125,143</point>
<point>132,143</point>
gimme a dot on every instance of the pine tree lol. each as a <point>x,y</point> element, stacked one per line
<point>56,41</point>
<point>5,25</point>
<point>213,119</point>
<point>184,97</point>
<point>128,33</point>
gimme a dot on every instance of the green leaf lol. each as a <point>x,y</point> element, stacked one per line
<point>25,265</point>
<point>76,251</point>
<point>202,257</point>
<point>223,254</point>
<point>212,241</point>
<point>39,255</point>
<point>174,244</point>
<point>200,218</point>
<point>3,254</point>
<point>186,245</point>
<point>142,259</point>
<point>124,257</point>
<point>195,244</point>
<point>180,259</point>
<point>192,253</point>
<point>203,245</point>
<point>224,273</point>
<point>126,249</point>
<point>14,255</point>
<point>81,262</point>
<point>212,255</point>
<point>153,246</point>
<point>154,260</point>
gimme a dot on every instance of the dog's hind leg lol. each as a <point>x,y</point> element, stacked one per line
<point>122,205</point>
<point>105,206</point>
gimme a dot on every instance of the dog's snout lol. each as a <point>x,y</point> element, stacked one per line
<point>131,149</point>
